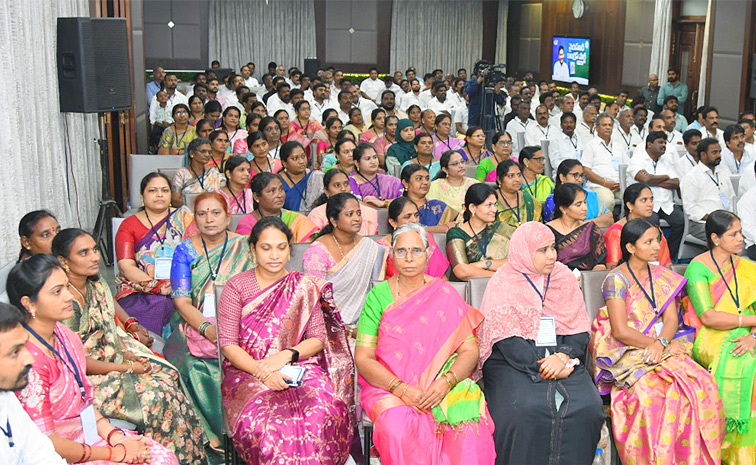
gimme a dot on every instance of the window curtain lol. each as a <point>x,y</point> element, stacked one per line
<point>660,47</point>
<point>704,59</point>
<point>43,166</point>
<point>436,34</point>
<point>262,31</point>
<point>501,36</point>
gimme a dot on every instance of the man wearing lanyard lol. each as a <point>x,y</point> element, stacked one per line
<point>622,136</point>
<point>542,130</point>
<point>519,125</point>
<point>565,144</point>
<point>21,442</point>
<point>706,187</point>
<point>601,161</point>
<point>689,160</point>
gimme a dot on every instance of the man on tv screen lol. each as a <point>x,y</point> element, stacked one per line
<point>561,70</point>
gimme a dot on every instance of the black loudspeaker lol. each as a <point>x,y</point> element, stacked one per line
<point>311,66</point>
<point>93,65</point>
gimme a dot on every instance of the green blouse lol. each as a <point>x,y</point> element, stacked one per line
<point>376,302</point>
<point>540,188</point>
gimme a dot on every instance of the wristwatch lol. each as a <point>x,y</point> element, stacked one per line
<point>753,335</point>
<point>663,341</point>
<point>294,355</point>
<point>489,262</point>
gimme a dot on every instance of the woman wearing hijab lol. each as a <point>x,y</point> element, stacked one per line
<point>404,148</point>
<point>532,345</point>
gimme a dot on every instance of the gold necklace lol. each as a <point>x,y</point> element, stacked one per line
<point>398,293</point>
<point>83,298</point>
<point>341,251</point>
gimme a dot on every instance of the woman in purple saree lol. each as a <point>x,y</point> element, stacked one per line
<point>270,318</point>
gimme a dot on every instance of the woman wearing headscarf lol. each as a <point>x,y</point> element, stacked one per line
<point>532,353</point>
<point>404,148</point>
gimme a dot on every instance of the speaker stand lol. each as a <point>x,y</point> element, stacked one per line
<point>108,207</point>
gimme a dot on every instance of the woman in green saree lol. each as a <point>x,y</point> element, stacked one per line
<point>480,245</point>
<point>722,292</point>
<point>515,206</point>
<point>130,382</point>
<point>199,263</point>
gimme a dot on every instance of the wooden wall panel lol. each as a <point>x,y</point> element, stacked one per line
<point>603,22</point>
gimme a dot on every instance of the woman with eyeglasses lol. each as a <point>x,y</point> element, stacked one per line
<point>197,177</point>
<point>639,201</point>
<point>480,245</point>
<point>474,150</point>
<point>515,206</point>
<point>404,210</point>
<point>415,352</point>
<point>346,259</point>
<point>664,406</point>
<point>502,150</point>
<point>571,171</point>
<point>580,244</point>
<point>533,161</point>
<point>177,136</point>
<point>450,184</point>
<point>722,291</point>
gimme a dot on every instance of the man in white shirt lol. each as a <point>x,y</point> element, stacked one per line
<point>734,156</point>
<point>674,137</point>
<point>460,119</point>
<point>655,166</point>
<point>689,160</point>
<point>174,97</point>
<point>582,102</point>
<point>747,214</point>
<point>565,144</point>
<point>280,100</point>
<point>542,130</point>
<point>519,125</point>
<point>440,104</point>
<point>456,94</point>
<point>366,106</point>
<point>228,89</point>
<point>638,129</point>
<point>622,100</point>
<point>345,104</point>
<point>412,97</point>
<point>319,102</point>
<point>601,161</point>
<point>246,74</point>
<point>561,71</point>
<point>706,187</point>
<point>388,103</point>
<point>711,125</point>
<point>586,128</point>
<point>622,136</point>
<point>23,443</point>
<point>568,105</point>
<point>388,85</point>
<point>372,86</point>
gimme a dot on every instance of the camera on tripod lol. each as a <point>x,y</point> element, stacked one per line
<point>493,73</point>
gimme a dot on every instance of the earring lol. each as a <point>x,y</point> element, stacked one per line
<point>66,268</point>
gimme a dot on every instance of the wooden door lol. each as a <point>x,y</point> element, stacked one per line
<point>685,53</point>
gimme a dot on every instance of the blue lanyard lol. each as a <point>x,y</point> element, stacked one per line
<point>214,276</point>
<point>377,185</point>
<point>483,248</point>
<point>735,296</point>
<point>243,208</point>
<point>541,296</point>
<point>294,185</point>
<point>509,207</point>
<point>8,433</point>
<point>167,226</point>
<point>73,368</point>
<point>652,297</point>
<point>200,179</point>
<point>533,189</point>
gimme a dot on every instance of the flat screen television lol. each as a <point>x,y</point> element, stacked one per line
<point>571,59</point>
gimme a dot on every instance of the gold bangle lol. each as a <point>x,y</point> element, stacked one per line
<point>391,382</point>
<point>446,378</point>
<point>406,386</point>
<point>740,321</point>
<point>456,380</point>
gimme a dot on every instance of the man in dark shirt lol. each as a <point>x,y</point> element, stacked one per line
<point>651,93</point>
<point>474,89</point>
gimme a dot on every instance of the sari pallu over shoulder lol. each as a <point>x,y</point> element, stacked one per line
<point>416,336</point>
<point>616,364</point>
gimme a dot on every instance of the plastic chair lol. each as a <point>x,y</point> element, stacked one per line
<point>116,224</point>
<point>296,263</point>
<point>142,165</point>
<point>383,226</point>
<point>593,294</point>
<point>548,170</point>
<point>689,242</point>
<point>470,171</point>
<point>477,290</point>
<point>235,219</point>
<point>189,200</point>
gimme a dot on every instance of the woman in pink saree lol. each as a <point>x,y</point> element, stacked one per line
<point>268,319</point>
<point>59,397</point>
<point>665,406</point>
<point>415,353</point>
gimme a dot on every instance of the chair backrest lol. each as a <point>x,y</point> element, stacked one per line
<point>225,428</point>
<point>680,268</point>
<point>383,226</point>
<point>548,170</point>
<point>477,287</point>
<point>520,139</point>
<point>235,219</point>
<point>189,200</point>
<point>470,171</point>
<point>141,165</point>
<point>440,239</point>
<point>313,153</point>
<point>168,172</point>
<point>297,256</point>
<point>115,223</point>
<point>593,294</point>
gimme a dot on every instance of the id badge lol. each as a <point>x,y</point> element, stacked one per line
<point>163,268</point>
<point>658,327</point>
<point>578,154</point>
<point>546,332</point>
<point>89,425</point>
<point>615,164</point>
<point>208,306</point>
<point>725,201</point>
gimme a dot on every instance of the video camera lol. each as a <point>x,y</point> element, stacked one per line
<point>493,73</point>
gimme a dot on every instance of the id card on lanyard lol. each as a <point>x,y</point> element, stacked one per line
<point>163,263</point>
<point>547,324</point>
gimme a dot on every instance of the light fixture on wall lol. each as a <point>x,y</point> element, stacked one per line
<point>171,24</point>
<point>351,30</point>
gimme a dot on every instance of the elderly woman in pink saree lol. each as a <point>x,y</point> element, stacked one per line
<point>415,353</point>
<point>665,407</point>
<point>269,318</point>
